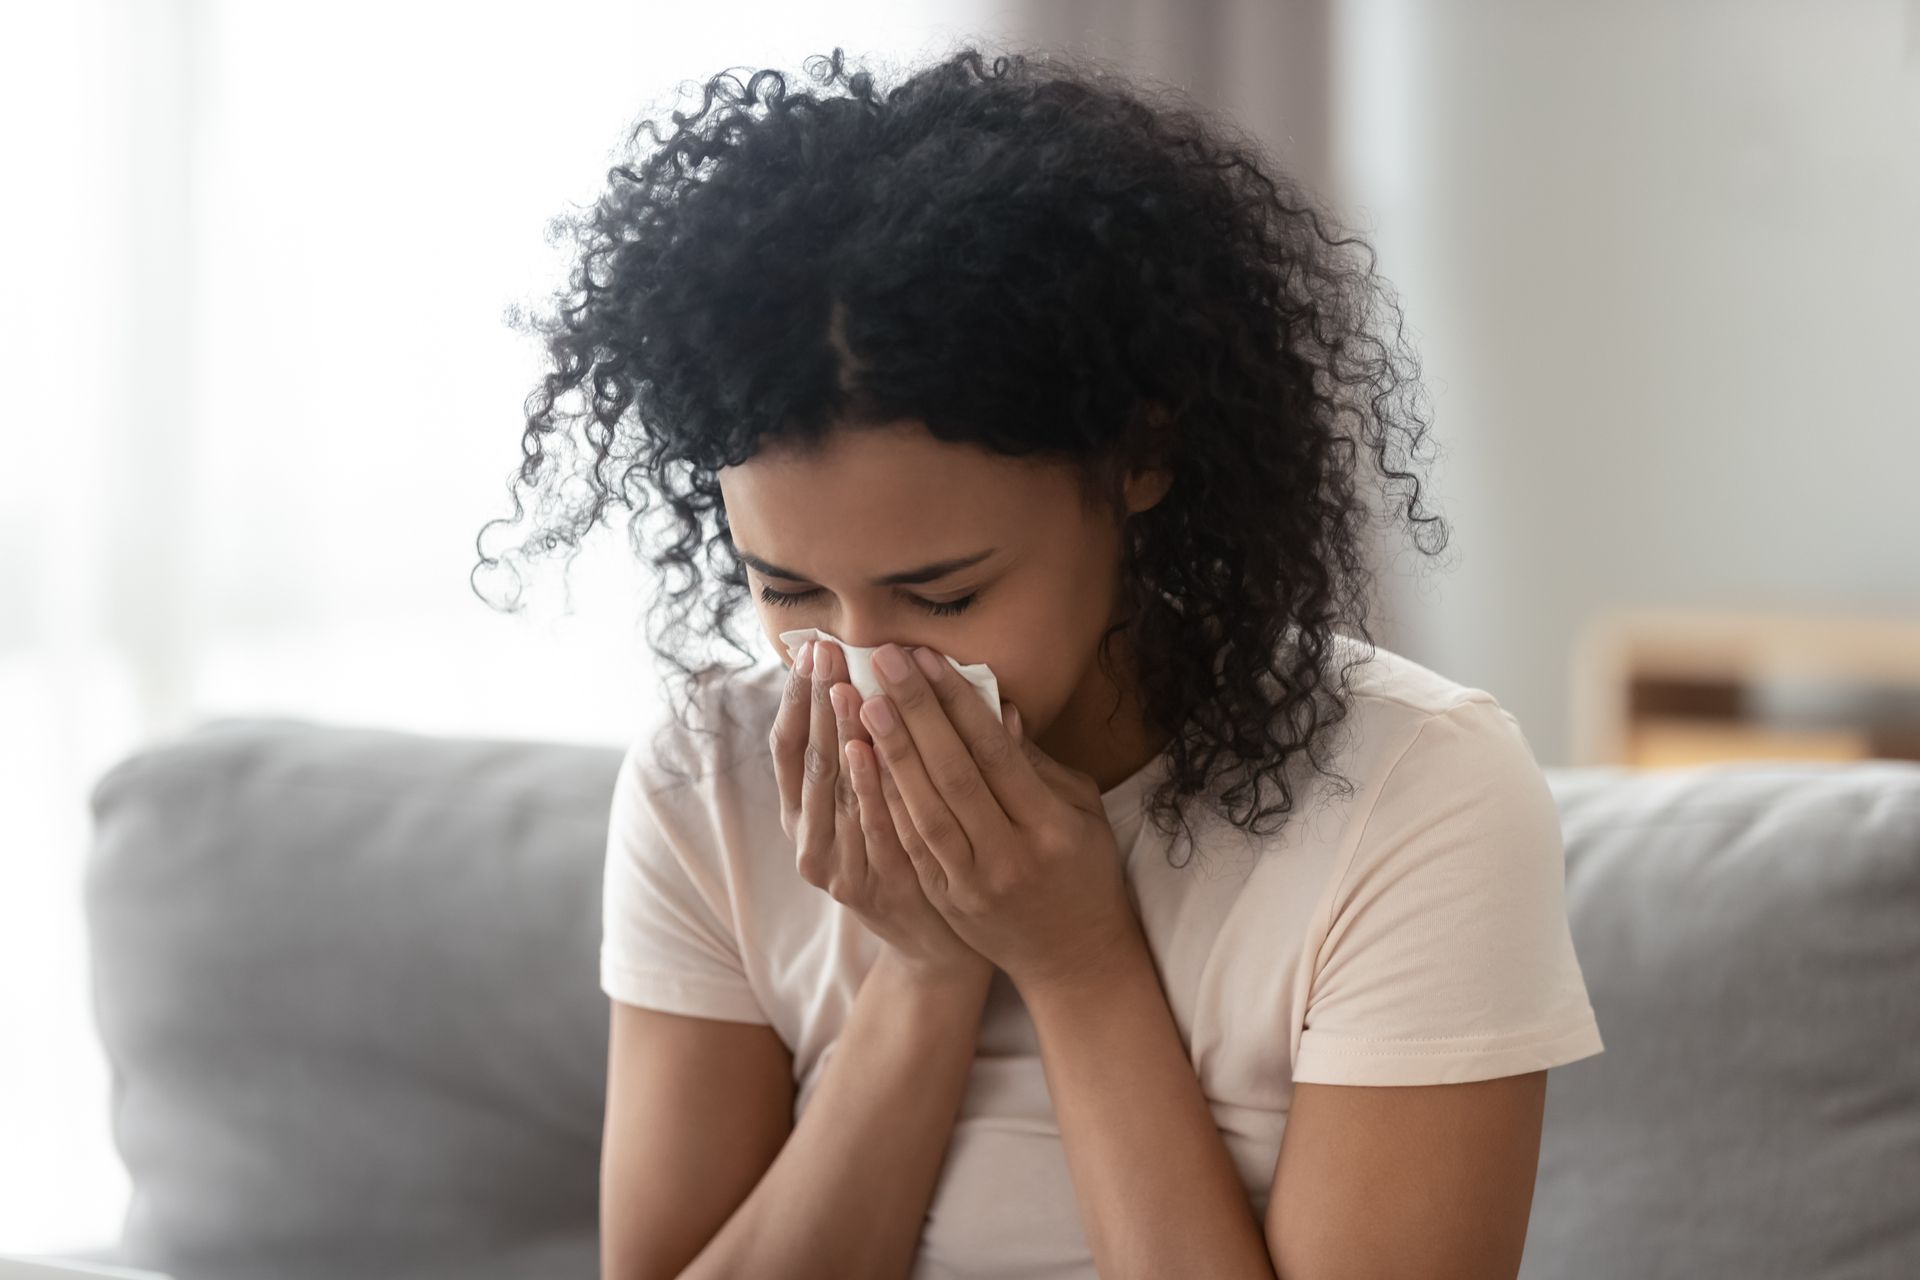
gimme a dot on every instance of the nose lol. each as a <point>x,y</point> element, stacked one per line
<point>856,649</point>
<point>865,638</point>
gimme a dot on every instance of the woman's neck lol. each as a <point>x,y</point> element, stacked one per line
<point>1091,735</point>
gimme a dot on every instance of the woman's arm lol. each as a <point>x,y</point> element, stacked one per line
<point>1157,1189</point>
<point>847,1197</point>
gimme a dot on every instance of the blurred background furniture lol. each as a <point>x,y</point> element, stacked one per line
<point>346,980</point>
<point>1665,688</point>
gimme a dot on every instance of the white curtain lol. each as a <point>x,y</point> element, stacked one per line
<point>261,397</point>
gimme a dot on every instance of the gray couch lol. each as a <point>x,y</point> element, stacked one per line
<point>346,981</point>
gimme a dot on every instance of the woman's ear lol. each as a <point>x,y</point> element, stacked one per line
<point>1146,488</point>
<point>1148,484</point>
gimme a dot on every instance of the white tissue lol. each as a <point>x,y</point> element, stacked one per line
<point>860,667</point>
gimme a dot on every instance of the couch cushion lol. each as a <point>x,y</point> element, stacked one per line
<point>1750,937</point>
<point>346,983</point>
<point>346,980</point>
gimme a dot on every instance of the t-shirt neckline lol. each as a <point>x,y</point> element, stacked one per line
<point>1128,796</point>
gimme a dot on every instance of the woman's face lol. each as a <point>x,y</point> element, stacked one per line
<point>1037,578</point>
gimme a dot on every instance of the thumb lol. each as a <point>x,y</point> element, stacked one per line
<point>1041,763</point>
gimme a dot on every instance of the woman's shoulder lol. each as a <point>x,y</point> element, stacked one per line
<point>1404,719</point>
<point>1427,739</point>
<point>1396,687</point>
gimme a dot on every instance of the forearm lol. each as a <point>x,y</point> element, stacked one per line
<point>1157,1190</point>
<point>847,1196</point>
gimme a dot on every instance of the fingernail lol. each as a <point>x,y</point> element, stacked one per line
<point>891,661</point>
<point>1013,720</point>
<point>928,660</point>
<point>803,661</point>
<point>880,714</point>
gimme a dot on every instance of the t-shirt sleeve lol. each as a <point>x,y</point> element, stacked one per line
<point>1448,956</point>
<point>665,941</point>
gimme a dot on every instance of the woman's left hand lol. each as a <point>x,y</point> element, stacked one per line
<point>1011,846</point>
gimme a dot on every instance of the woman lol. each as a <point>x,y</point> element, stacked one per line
<point>1017,364</point>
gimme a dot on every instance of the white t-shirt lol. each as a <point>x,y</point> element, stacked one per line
<point>1413,932</point>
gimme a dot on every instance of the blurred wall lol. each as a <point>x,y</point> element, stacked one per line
<point>1661,265</point>
<point>1665,263</point>
<point>1266,64</point>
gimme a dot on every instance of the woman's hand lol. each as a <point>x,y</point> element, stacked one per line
<point>836,808</point>
<point>1012,847</point>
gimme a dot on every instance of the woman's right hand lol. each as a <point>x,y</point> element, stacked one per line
<point>839,808</point>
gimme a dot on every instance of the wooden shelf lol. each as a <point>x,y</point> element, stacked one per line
<point>1663,688</point>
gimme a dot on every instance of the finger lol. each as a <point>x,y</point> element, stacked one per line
<point>820,773</point>
<point>846,709</point>
<point>885,855</point>
<point>787,739</point>
<point>1078,787</point>
<point>931,820</point>
<point>933,876</point>
<point>850,853</point>
<point>971,748</point>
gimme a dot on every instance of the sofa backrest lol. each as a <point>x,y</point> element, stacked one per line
<point>1750,936</point>
<point>346,980</point>
<point>347,984</point>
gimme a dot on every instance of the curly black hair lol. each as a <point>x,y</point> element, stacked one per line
<point>1039,256</point>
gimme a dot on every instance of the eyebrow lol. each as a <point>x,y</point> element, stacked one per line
<point>925,573</point>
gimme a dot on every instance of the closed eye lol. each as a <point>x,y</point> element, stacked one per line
<point>939,608</point>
